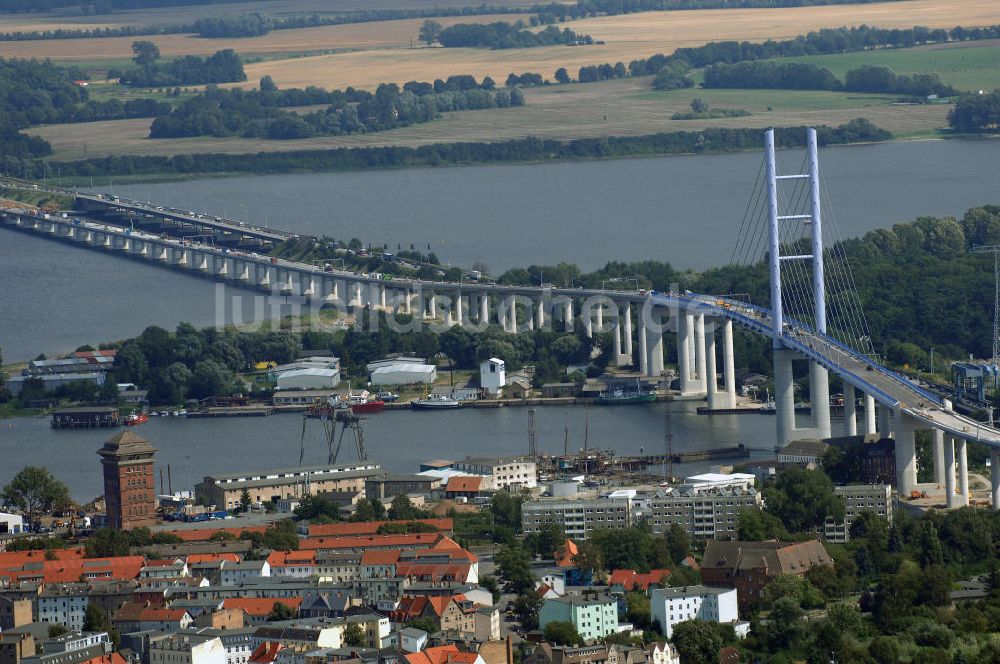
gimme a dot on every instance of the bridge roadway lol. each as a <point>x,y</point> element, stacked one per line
<point>219,224</point>
<point>887,387</point>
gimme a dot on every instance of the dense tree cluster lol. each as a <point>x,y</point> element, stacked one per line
<point>976,113</point>
<point>224,66</point>
<point>806,76</point>
<point>243,25</point>
<point>506,35</point>
<point>528,149</point>
<point>584,8</point>
<point>103,6</point>
<point>249,114</point>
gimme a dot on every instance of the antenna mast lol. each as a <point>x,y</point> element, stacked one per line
<point>532,443</point>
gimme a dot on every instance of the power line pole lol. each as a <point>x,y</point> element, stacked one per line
<point>995,250</point>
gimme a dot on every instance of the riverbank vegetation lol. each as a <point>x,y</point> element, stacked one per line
<point>442,154</point>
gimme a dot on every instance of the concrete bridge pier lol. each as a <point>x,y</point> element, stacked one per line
<point>692,339</point>
<point>728,364</point>
<point>242,270</point>
<point>995,478</point>
<point>937,446</point>
<point>656,346</point>
<point>568,315</point>
<point>308,285</point>
<point>819,390</point>
<point>220,266</point>
<point>850,410</point>
<point>870,427</point>
<point>179,257</point>
<point>510,304</point>
<point>906,456</point>
<point>588,320</point>
<point>784,396</point>
<point>643,346</point>
<point>540,313</point>
<point>963,472</point>
<point>700,363</point>
<point>627,332</point>
<point>432,305</point>
<point>459,309</point>
<point>106,240</point>
<point>885,421</point>
<point>711,376</point>
<point>950,471</point>
<point>684,330</point>
<point>484,309</point>
<point>201,261</point>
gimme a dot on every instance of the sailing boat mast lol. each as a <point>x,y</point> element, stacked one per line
<point>532,444</point>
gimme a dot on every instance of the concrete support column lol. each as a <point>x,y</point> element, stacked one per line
<point>381,296</point>
<point>963,472</point>
<point>699,352</point>
<point>819,388</point>
<point>484,308</point>
<point>995,477</point>
<point>643,349</point>
<point>949,473</point>
<point>432,310</point>
<point>870,415</point>
<point>510,316</point>
<point>459,313</point>
<point>627,330</point>
<point>711,384</point>
<point>616,341</point>
<point>691,343</point>
<point>358,300</point>
<point>906,457</point>
<point>684,353</point>
<point>938,449</point>
<point>784,396</point>
<point>656,348</point>
<point>850,406</point>
<point>600,317</point>
<point>568,316</point>
<point>588,320</point>
<point>531,316</point>
<point>540,314</point>
<point>884,421</point>
<point>729,364</point>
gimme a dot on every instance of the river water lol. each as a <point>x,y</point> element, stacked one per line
<point>399,440</point>
<point>685,210</point>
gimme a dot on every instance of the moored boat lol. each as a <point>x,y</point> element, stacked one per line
<point>136,419</point>
<point>435,402</point>
<point>370,406</point>
<point>622,398</point>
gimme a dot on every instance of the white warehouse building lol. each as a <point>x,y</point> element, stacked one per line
<point>492,375</point>
<point>404,373</point>
<point>669,606</point>
<point>308,379</point>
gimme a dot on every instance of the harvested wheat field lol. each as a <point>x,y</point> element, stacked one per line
<point>610,108</point>
<point>381,35</point>
<point>628,37</point>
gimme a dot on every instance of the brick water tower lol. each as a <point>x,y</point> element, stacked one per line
<point>129,487</point>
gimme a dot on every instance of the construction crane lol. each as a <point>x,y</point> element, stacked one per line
<point>995,250</point>
<point>329,417</point>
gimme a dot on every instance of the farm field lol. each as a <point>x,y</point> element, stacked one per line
<point>609,108</point>
<point>967,65</point>
<point>74,19</point>
<point>627,37</point>
<point>377,35</point>
<point>369,53</point>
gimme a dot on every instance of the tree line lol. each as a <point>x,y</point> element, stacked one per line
<point>439,154</point>
<point>501,35</point>
<point>235,112</point>
<point>779,75</point>
<point>223,66</point>
<point>104,6</point>
<point>583,8</point>
<point>976,113</point>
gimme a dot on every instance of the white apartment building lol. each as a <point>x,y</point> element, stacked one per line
<point>186,648</point>
<point>65,604</point>
<point>669,606</point>
<point>704,514</point>
<point>508,473</point>
<point>875,498</point>
<point>576,517</point>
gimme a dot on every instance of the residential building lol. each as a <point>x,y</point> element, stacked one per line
<point>412,639</point>
<point>874,498</point>
<point>64,604</point>
<point>129,484</point>
<point>669,606</point>
<point>802,452</point>
<point>244,570</point>
<point>270,486</point>
<point>16,646</point>
<point>14,612</point>
<point>703,512</point>
<point>301,397</point>
<point>626,580</point>
<point>97,654</point>
<point>576,517</point>
<point>187,648</point>
<point>257,610</point>
<point>594,617</point>
<point>877,455</point>
<point>750,566</point>
<point>385,487</point>
<point>140,617</point>
<point>508,473</point>
<point>71,641</point>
